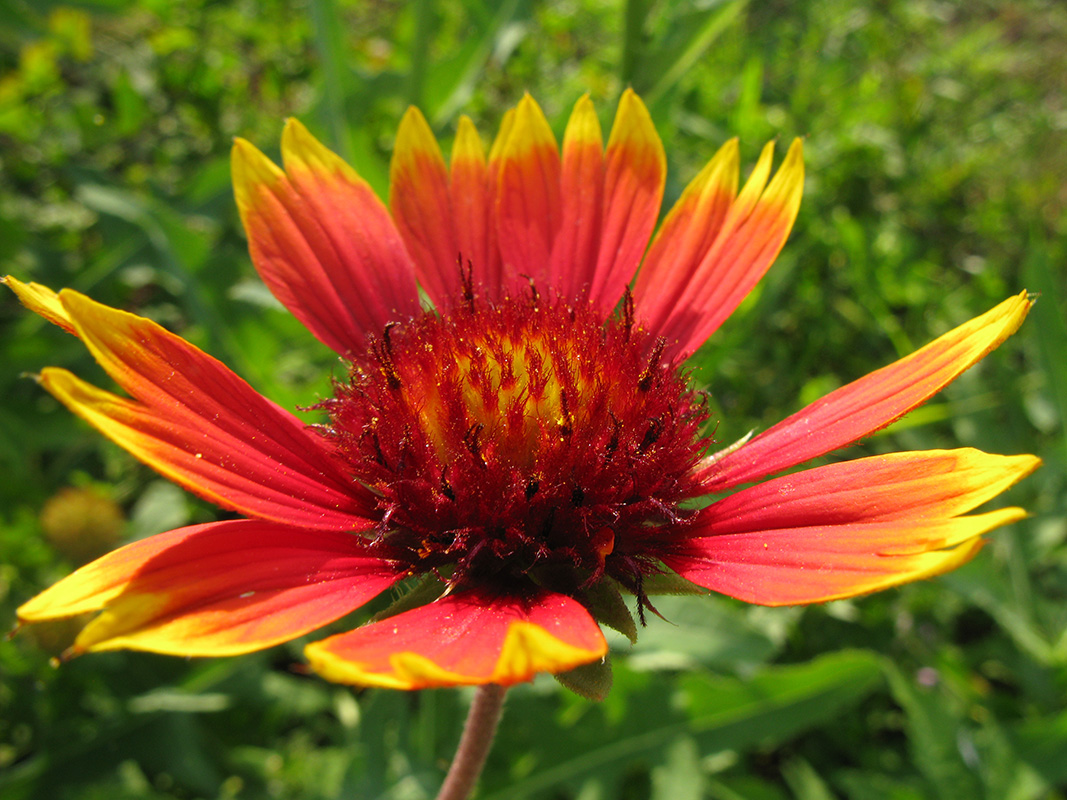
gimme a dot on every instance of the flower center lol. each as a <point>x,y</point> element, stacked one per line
<point>523,443</point>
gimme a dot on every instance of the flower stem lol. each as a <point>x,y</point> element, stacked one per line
<point>474,745</point>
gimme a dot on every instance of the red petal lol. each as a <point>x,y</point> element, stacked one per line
<point>322,242</point>
<point>574,254</point>
<point>849,528</point>
<point>463,639</point>
<point>528,196</point>
<point>799,566</point>
<point>633,190</point>
<point>218,589</point>
<point>916,485</point>
<point>197,423</point>
<point>471,185</point>
<point>421,205</point>
<point>868,404</point>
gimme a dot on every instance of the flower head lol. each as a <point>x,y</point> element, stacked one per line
<point>525,452</point>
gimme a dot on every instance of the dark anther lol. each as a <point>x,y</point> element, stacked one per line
<point>644,382</point>
<point>384,352</point>
<point>655,428</point>
<point>466,278</point>
<point>446,487</point>
<point>546,526</point>
<point>535,296</point>
<point>577,496</point>
<point>379,456</point>
<point>470,438</point>
<point>566,425</point>
<point>627,313</point>
<point>613,442</point>
<point>531,487</point>
<point>402,451</point>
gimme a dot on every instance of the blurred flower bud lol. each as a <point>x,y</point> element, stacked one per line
<point>81,523</point>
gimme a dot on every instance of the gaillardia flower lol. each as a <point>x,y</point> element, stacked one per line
<point>513,436</point>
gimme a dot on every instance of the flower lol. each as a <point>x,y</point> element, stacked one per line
<point>527,452</point>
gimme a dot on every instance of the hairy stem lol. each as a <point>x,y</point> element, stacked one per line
<point>474,746</point>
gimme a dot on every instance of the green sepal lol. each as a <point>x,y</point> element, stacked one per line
<point>591,681</point>
<point>607,605</point>
<point>426,590</point>
<point>670,583</point>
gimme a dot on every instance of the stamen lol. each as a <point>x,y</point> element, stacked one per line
<point>627,313</point>
<point>528,442</point>
<point>644,382</point>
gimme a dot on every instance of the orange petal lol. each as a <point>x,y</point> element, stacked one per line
<point>463,639</point>
<point>633,190</point>
<point>471,186</point>
<point>870,403</point>
<point>574,254</point>
<point>321,240</point>
<point>848,528</point>
<point>687,233</point>
<point>216,590</point>
<point>704,263</point>
<point>197,423</point>
<point>528,196</point>
<point>421,205</point>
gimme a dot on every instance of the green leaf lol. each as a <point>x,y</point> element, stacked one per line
<point>934,735</point>
<point>804,782</point>
<point>690,35</point>
<point>453,80</point>
<point>1042,743</point>
<point>719,713</point>
<point>701,631</point>
<point>1049,316</point>
<point>680,776</point>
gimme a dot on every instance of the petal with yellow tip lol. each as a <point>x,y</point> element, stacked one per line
<point>635,174</point>
<point>574,253</point>
<point>848,528</point>
<point>870,403</point>
<point>256,584</point>
<point>322,241</point>
<point>528,201</point>
<point>471,190</point>
<point>42,301</point>
<point>686,297</point>
<point>199,424</point>
<point>463,639</point>
<point>421,205</point>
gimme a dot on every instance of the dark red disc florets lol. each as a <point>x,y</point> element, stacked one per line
<point>520,444</point>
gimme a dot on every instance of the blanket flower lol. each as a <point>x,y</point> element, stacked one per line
<point>514,438</point>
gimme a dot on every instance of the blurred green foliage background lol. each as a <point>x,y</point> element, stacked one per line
<point>937,185</point>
